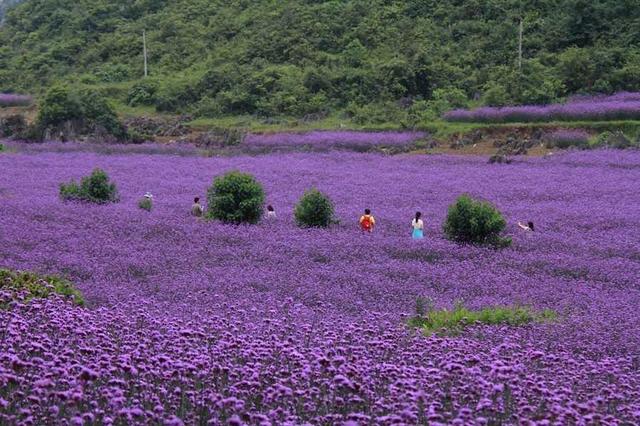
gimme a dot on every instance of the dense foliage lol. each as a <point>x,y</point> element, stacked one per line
<point>64,110</point>
<point>95,188</point>
<point>314,210</point>
<point>476,222</point>
<point>235,198</point>
<point>375,60</point>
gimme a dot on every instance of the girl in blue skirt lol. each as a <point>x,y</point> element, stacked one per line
<point>418,227</point>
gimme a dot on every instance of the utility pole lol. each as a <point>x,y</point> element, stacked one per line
<point>144,51</point>
<point>520,44</point>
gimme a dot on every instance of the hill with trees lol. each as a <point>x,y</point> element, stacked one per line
<point>373,60</point>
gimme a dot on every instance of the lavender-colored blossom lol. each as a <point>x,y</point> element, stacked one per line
<point>333,139</point>
<point>13,99</point>
<point>623,106</point>
<point>195,322</point>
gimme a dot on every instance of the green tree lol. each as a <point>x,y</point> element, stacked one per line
<point>235,198</point>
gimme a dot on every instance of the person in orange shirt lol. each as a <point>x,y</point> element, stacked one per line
<point>367,221</point>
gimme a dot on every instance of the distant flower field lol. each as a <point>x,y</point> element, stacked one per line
<point>622,106</point>
<point>194,322</point>
<point>12,99</point>
<point>351,140</point>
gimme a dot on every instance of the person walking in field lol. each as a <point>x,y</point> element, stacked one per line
<point>528,227</point>
<point>417,225</point>
<point>196,209</point>
<point>367,221</point>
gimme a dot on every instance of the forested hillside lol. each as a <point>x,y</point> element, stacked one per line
<point>370,58</point>
<point>4,5</point>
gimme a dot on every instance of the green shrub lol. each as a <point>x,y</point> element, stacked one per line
<point>475,222</point>
<point>314,210</point>
<point>37,286</point>
<point>454,321</point>
<point>235,198</point>
<point>142,93</point>
<point>145,204</point>
<point>95,188</point>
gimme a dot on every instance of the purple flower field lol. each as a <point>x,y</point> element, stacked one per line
<point>354,140</point>
<point>13,99</point>
<point>621,106</point>
<point>189,322</point>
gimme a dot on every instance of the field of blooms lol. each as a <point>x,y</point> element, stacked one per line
<point>621,106</point>
<point>189,322</point>
<point>12,99</point>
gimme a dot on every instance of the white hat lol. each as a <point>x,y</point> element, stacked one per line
<point>148,195</point>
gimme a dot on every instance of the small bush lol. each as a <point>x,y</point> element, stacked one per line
<point>475,222</point>
<point>37,286</point>
<point>454,321</point>
<point>142,93</point>
<point>567,138</point>
<point>235,198</point>
<point>617,140</point>
<point>314,210</point>
<point>95,188</point>
<point>13,126</point>
<point>145,204</point>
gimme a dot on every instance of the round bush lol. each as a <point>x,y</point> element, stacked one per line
<point>95,188</point>
<point>475,222</point>
<point>314,210</point>
<point>235,198</point>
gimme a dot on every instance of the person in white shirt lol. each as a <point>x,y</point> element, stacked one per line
<point>418,227</point>
<point>271,213</point>
<point>528,227</point>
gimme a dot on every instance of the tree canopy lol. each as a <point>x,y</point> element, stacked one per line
<point>298,57</point>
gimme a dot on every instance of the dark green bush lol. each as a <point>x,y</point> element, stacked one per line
<point>95,188</point>
<point>475,222</point>
<point>314,210</point>
<point>235,198</point>
<point>37,286</point>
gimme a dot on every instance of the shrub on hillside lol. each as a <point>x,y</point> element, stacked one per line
<point>617,140</point>
<point>235,198</point>
<point>95,188</point>
<point>142,93</point>
<point>13,126</point>
<point>36,286</point>
<point>475,222</point>
<point>314,210</point>
<point>74,113</point>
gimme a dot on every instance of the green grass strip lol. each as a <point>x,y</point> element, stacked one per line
<point>455,321</point>
<point>37,286</point>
